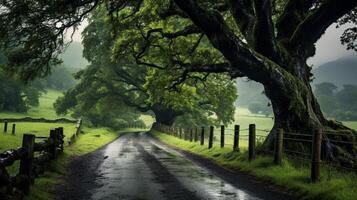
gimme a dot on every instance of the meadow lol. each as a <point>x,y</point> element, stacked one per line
<point>45,109</point>
<point>43,187</point>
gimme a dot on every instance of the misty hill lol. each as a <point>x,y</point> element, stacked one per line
<point>73,56</point>
<point>339,72</point>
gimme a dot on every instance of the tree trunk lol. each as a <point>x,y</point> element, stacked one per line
<point>165,116</point>
<point>296,110</point>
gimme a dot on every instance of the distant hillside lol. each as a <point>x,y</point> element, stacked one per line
<point>339,72</point>
<point>249,92</point>
<point>73,56</point>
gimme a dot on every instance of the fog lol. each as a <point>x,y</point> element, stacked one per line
<point>329,47</point>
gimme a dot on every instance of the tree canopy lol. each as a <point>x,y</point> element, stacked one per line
<point>197,97</point>
<point>267,41</point>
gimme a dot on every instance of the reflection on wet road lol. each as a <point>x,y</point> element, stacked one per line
<point>139,167</point>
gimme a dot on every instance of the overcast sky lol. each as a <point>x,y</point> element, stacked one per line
<point>328,48</point>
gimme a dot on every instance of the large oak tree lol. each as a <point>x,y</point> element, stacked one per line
<point>267,41</point>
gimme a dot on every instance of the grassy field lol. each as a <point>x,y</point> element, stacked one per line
<point>45,109</point>
<point>43,188</point>
<point>263,124</point>
<point>9,141</point>
<point>147,119</point>
<point>294,177</point>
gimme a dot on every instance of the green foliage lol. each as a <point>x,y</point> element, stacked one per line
<point>116,75</point>
<point>61,78</point>
<point>260,108</point>
<point>15,96</point>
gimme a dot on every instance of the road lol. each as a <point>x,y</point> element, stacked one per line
<point>137,167</point>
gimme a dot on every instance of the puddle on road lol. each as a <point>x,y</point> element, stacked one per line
<point>124,175</point>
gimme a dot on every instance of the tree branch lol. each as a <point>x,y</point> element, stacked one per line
<point>243,13</point>
<point>222,38</point>
<point>315,25</point>
<point>264,36</point>
<point>294,12</point>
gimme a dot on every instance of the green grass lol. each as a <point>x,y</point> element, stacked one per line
<point>243,117</point>
<point>91,140</point>
<point>147,119</point>
<point>43,188</point>
<point>45,109</point>
<point>293,176</point>
<point>9,141</point>
<point>351,124</point>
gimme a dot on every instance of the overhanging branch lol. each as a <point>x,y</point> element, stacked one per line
<point>311,29</point>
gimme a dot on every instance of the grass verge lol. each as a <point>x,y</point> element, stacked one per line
<point>43,187</point>
<point>292,175</point>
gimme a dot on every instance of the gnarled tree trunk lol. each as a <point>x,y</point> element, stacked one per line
<point>165,116</point>
<point>297,110</point>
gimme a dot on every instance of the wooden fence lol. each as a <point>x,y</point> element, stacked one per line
<point>283,143</point>
<point>34,157</point>
<point>76,132</point>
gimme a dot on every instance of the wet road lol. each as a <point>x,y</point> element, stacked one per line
<point>136,167</point>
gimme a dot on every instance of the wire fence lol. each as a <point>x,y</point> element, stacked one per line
<point>303,146</point>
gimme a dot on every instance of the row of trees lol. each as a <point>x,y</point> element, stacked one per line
<point>267,41</point>
<point>17,96</point>
<point>111,88</point>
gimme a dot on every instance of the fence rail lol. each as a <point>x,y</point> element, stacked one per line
<point>283,141</point>
<point>34,157</point>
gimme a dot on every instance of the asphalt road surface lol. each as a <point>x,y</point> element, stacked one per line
<point>137,167</point>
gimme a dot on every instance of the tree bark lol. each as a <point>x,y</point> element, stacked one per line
<point>296,110</point>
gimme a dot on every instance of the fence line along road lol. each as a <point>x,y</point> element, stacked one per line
<point>34,157</point>
<point>283,141</point>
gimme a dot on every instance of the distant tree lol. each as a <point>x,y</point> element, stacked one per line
<point>16,96</point>
<point>260,108</point>
<point>325,89</point>
<point>198,96</point>
<point>325,93</point>
<point>341,105</point>
<point>347,98</point>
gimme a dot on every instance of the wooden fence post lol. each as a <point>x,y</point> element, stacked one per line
<point>251,142</point>
<point>13,129</point>
<point>25,170</point>
<point>316,156</point>
<point>52,149</point>
<point>236,138</point>
<point>5,126</point>
<point>202,135</point>
<point>222,136</point>
<point>278,149</point>
<point>210,139</point>
<point>60,137</point>
<point>191,134</point>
